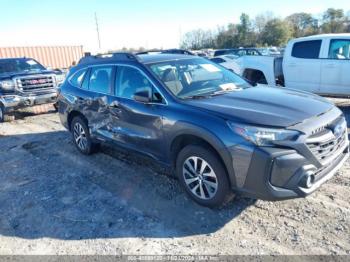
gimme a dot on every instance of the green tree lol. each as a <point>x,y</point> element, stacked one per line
<point>303,24</point>
<point>198,39</point>
<point>245,36</point>
<point>334,21</point>
<point>276,32</point>
<point>226,36</point>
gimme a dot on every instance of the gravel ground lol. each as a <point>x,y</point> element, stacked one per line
<point>57,201</point>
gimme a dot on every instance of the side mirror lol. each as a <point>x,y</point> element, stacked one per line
<point>143,96</point>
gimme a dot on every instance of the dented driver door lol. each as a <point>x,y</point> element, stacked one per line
<point>135,125</point>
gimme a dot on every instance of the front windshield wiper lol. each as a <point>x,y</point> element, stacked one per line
<point>222,92</point>
<point>210,94</point>
<point>197,96</point>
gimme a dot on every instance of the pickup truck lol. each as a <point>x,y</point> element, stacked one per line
<point>319,64</point>
<point>23,83</point>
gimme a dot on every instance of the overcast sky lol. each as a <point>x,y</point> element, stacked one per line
<point>131,23</point>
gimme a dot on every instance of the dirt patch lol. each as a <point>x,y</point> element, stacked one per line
<point>57,201</point>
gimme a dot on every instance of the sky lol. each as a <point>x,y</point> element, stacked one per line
<point>132,23</point>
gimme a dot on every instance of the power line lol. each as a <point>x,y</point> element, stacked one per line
<point>98,32</point>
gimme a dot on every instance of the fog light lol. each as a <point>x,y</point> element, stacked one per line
<point>308,180</point>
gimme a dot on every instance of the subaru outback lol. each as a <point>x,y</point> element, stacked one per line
<point>220,135</point>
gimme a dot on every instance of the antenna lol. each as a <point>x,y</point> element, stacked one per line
<point>98,32</point>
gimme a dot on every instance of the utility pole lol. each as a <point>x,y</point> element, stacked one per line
<point>98,32</point>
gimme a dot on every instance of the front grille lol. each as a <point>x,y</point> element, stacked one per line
<point>35,84</point>
<point>324,144</point>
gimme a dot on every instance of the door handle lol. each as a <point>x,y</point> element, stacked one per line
<point>330,65</point>
<point>80,99</point>
<point>292,64</point>
<point>114,109</point>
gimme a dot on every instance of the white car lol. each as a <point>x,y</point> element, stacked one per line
<point>229,62</point>
<point>270,51</point>
<point>319,64</point>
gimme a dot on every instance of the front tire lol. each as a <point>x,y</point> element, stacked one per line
<point>5,117</point>
<point>203,176</point>
<point>2,114</point>
<point>81,136</point>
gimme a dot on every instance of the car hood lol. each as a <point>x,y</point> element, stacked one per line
<point>268,106</point>
<point>29,73</point>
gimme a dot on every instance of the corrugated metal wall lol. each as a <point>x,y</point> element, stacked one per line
<point>53,56</point>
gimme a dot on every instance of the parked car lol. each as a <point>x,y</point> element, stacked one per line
<point>270,51</point>
<point>238,52</point>
<point>25,82</point>
<point>227,61</point>
<point>219,134</point>
<point>319,64</point>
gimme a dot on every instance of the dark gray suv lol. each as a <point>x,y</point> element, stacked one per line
<point>220,135</point>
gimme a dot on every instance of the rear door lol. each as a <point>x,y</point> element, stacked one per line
<point>134,124</point>
<point>302,66</point>
<point>335,77</point>
<point>99,83</point>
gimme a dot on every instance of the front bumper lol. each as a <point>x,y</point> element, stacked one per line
<point>279,174</point>
<point>292,169</point>
<point>11,102</point>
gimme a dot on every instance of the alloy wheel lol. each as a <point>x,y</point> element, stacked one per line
<point>200,178</point>
<point>80,136</point>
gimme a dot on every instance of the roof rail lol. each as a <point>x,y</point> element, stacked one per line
<point>146,52</point>
<point>124,56</point>
<point>166,51</point>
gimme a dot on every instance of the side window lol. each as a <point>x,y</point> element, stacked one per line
<point>339,49</point>
<point>78,78</point>
<point>129,81</point>
<point>100,79</point>
<point>307,49</point>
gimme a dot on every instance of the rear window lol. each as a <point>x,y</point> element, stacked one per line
<point>307,49</point>
<point>100,79</point>
<point>218,60</point>
<point>220,52</point>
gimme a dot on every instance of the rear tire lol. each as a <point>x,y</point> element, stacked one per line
<point>203,176</point>
<point>81,136</point>
<point>55,105</point>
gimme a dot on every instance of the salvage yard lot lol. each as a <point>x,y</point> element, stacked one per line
<point>57,201</point>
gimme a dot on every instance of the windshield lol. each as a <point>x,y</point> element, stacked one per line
<point>191,78</point>
<point>19,65</point>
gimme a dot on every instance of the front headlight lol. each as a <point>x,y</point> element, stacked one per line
<point>7,85</point>
<point>263,136</point>
<point>60,79</point>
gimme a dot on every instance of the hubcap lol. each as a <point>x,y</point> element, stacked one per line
<point>80,136</point>
<point>200,178</point>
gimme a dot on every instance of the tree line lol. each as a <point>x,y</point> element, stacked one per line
<point>267,30</point>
